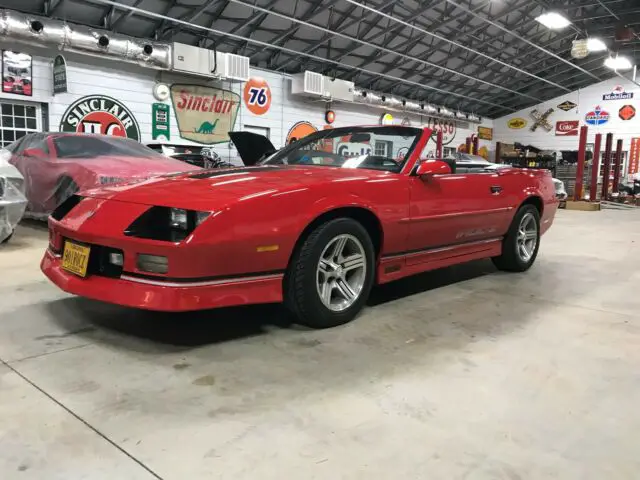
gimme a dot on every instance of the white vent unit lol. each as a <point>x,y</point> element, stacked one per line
<point>341,90</point>
<point>205,62</point>
<point>310,84</point>
<point>234,67</point>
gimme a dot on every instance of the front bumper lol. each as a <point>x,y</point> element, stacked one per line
<point>163,295</point>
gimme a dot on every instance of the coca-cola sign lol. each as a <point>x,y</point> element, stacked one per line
<point>567,128</point>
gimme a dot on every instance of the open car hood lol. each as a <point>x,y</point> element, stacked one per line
<point>251,147</point>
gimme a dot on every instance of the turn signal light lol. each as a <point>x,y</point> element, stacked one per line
<point>152,263</point>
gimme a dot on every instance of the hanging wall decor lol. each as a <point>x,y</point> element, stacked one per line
<point>204,114</point>
<point>17,73</point>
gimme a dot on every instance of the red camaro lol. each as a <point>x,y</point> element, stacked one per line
<point>56,165</point>
<point>315,224</point>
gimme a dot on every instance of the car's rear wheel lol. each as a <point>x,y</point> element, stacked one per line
<point>520,245</point>
<point>331,274</point>
<point>64,189</point>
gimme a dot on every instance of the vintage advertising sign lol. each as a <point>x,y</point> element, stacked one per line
<point>567,105</point>
<point>386,119</point>
<point>516,123</point>
<point>257,96</point>
<point>627,112</point>
<point>567,128</point>
<point>485,133</point>
<point>634,156</point>
<point>59,75</point>
<point>300,130</point>
<point>160,114</point>
<point>597,116</point>
<point>447,127</point>
<point>204,114</point>
<point>100,114</point>
<point>618,93</point>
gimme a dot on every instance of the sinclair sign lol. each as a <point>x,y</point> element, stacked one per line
<point>101,115</point>
<point>204,114</point>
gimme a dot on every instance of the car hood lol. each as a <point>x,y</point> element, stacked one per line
<point>131,167</point>
<point>212,189</point>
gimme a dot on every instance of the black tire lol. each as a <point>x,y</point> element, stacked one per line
<point>64,189</point>
<point>301,291</point>
<point>511,260</point>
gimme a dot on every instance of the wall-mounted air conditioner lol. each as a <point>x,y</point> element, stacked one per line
<point>309,84</point>
<point>205,62</point>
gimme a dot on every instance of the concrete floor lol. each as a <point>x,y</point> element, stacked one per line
<point>460,373</point>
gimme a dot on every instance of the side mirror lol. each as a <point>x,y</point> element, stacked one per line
<point>431,168</point>
<point>33,152</point>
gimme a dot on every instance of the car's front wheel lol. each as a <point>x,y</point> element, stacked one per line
<point>331,274</point>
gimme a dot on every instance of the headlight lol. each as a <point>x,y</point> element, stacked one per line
<point>166,224</point>
<point>178,218</point>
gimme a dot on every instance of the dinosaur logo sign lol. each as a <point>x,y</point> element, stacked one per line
<point>204,114</point>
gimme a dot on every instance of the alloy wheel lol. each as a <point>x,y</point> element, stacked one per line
<point>341,272</point>
<point>527,238</point>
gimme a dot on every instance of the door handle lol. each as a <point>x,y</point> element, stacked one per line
<point>495,189</point>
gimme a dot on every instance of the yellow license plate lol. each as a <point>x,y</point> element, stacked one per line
<point>75,258</point>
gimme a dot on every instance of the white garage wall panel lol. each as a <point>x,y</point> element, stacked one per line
<point>133,86</point>
<point>586,99</point>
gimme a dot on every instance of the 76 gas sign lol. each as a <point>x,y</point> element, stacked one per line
<point>257,96</point>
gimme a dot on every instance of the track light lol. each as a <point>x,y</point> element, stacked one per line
<point>618,63</point>
<point>594,44</point>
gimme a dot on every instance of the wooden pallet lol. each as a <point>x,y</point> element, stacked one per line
<point>583,206</point>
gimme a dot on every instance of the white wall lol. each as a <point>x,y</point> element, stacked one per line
<point>133,86</point>
<point>586,99</point>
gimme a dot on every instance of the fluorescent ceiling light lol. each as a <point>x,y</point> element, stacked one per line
<point>618,63</point>
<point>596,45</point>
<point>553,20</point>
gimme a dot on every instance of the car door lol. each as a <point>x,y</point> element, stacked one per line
<point>455,209</point>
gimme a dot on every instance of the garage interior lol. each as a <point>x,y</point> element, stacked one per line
<point>461,372</point>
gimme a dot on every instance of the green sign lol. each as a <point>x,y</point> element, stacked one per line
<point>59,75</point>
<point>160,121</point>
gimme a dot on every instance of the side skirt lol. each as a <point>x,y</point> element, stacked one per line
<point>394,267</point>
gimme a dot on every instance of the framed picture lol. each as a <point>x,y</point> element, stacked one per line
<point>17,73</point>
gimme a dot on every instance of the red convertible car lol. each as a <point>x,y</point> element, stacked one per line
<point>56,165</point>
<point>315,224</point>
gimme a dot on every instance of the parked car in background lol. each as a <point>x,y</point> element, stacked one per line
<point>12,199</point>
<point>315,224</point>
<point>467,162</point>
<point>203,156</point>
<point>56,165</point>
<point>185,152</point>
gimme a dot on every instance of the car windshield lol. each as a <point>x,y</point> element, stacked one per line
<point>92,146</point>
<point>378,148</point>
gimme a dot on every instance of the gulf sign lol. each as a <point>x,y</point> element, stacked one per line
<point>567,128</point>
